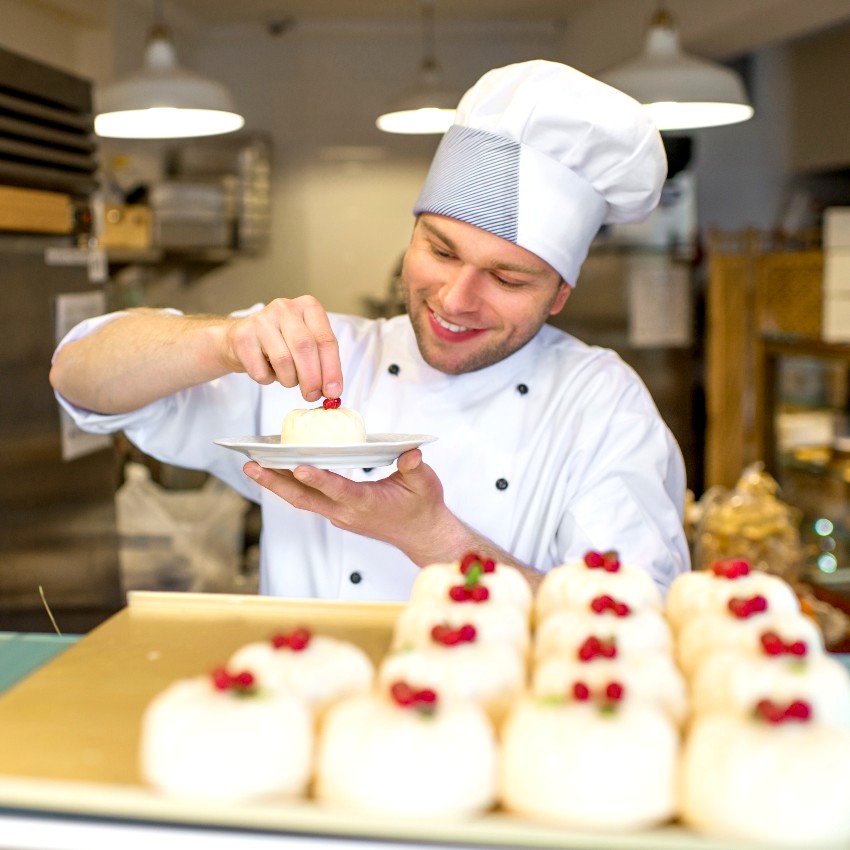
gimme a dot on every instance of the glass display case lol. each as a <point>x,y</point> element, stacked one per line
<point>804,411</point>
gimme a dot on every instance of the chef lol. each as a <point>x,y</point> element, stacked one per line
<point>547,447</point>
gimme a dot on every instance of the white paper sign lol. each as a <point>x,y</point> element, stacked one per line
<point>71,308</point>
<point>659,303</point>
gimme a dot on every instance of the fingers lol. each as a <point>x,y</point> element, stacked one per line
<point>312,350</point>
<point>408,462</point>
<point>290,341</point>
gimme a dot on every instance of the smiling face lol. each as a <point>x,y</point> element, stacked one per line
<point>474,298</point>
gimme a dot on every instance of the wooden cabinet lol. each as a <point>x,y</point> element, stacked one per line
<point>803,416</point>
<point>758,283</point>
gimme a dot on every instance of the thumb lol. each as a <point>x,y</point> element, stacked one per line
<point>409,462</point>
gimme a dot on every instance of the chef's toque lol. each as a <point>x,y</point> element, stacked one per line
<point>543,155</point>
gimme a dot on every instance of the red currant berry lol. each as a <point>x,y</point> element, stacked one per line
<point>402,693</point>
<point>479,593</point>
<point>468,632</point>
<point>772,643</point>
<point>220,679</point>
<point>594,559</point>
<point>425,697</point>
<point>614,691</point>
<point>581,691</point>
<point>601,604</point>
<point>798,647</point>
<point>608,649</point>
<point>489,566</point>
<point>799,710</point>
<point>621,609</point>
<point>458,593</point>
<point>467,561</point>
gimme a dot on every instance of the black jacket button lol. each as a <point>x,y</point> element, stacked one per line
<point>393,369</point>
<point>522,389</point>
<point>501,484</point>
<point>355,578</point>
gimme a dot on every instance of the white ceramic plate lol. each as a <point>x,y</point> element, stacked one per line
<point>378,450</point>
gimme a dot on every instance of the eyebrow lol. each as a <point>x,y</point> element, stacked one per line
<point>508,267</point>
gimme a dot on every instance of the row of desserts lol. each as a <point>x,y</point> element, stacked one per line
<point>565,706</point>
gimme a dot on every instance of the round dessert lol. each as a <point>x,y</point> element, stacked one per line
<point>632,632</point>
<point>329,425</point>
<point>772,776</point>
<point>739,626</point>
<point>402,752</point>
<point>504,582</point>
<point>710,590</point>
<point>784,671</point>
<point>590,761</point>
<point>318,668</point>
<point>576,584</point>
<point>460,667</point>
<point>220,737</point>
<point>650,677</point>
<point>496,623</point>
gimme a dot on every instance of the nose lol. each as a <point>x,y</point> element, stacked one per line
<point>460,293</point>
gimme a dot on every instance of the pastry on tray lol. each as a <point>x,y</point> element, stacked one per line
<point>403,752</point>
<point>319,668</point>
<point>223,737</point>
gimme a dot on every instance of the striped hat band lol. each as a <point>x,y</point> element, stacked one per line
<point>516,192</point>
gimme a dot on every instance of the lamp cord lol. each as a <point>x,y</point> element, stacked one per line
<point>429,53</point>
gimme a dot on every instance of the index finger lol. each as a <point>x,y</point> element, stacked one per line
<point>313,348</point>
<point>317,320</point>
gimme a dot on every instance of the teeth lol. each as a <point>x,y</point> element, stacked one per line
<point>448,325</point>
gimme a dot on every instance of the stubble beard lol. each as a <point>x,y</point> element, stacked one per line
<point>480,358</point>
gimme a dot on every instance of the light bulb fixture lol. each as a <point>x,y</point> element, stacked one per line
<point>163,100</point>
<point>427,107</point>
<point>680,91</point>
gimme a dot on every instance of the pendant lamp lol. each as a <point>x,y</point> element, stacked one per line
<point>427,107</point>
<point>680,91</point>
<point>163,100</point>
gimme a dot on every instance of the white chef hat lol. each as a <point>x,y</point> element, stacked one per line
<point>542,155</point>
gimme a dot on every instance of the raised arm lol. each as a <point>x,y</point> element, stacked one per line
<point>148,354</point>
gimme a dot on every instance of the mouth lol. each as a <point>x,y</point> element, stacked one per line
<point>446,330</point>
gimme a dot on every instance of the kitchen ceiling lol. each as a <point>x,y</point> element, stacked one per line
<point>713,28</point>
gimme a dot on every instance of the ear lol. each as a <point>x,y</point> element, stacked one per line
<point>564,290</point>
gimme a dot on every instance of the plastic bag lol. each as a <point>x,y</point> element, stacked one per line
<point>752,522</point>
<point>186,540</point>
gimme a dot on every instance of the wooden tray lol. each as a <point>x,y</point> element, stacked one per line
<point>69,732</point>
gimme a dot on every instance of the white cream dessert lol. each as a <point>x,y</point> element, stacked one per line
<point>504,582</point>
<point>329,425</point>
<point>771,775</point>
<point>576,584</point>
<point>651,677</point>
<point>733,680</point>
<point>739,626</point>
<point>460,667</point>
<point>319,668</point>
<point>498,624</point>
<point>404,753</point>
<point>633,632</point>
<point>220,737</point>
<point>590,761</point>
<point>710,590</point>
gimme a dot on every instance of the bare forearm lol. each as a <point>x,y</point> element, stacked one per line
<point>455,539</point>
<point>139,358</point>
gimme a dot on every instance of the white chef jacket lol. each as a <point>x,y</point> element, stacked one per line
<point>555,450</point>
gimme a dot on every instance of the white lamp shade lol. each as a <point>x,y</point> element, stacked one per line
<point>681,91</point>
<point>426,108</point>
<point>420,111</point>
<point>163,100</point>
